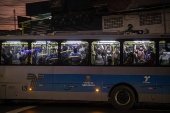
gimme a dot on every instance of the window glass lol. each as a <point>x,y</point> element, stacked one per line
<point>139,53</point>
<point>44,53</point>
<point>105,53</point>
<point>164,56</point>
<point>74,53</point>
<point>14,52</point>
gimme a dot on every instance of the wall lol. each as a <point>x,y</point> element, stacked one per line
<point>134,19</point>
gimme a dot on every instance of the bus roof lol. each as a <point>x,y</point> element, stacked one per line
<point>78,36</point>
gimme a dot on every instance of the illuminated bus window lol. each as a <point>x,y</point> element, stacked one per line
<point>44,53</point>
<point>105,53</point>
<point>139,53</point>
<point>164,56</point>
<point>74,53</point>
<point>14,52</point>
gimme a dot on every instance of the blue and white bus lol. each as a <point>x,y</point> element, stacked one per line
<point>121,69</point>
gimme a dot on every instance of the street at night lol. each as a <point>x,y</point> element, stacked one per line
<point>78,107</point>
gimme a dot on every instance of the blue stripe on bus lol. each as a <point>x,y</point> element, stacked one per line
<point>63,82</point>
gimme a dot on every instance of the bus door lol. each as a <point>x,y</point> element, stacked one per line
<point>77,87</point>
<point>150,91</point>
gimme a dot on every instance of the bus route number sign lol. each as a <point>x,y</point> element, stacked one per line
<point>24,88</point>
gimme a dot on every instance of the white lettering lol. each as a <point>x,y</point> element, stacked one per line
<point>146,79</point>
<point>88,84</point>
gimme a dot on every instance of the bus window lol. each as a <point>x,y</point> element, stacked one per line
<point>44,53</point>
<point>105,53</point>
<point>164,56</point>
<point>14,52</point>
<point>139,53</point>
<point>74,53</point>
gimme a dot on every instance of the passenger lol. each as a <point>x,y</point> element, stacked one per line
<point>140,53</point>
<point>164,59</point>
<point>109,55</point>
<point>75,52</point>
<point>129,60</point>
<point>4,56</point>
<point>151,59</point>
<point>75,57</point>
<point>99,59</point>
<point>116,57</point>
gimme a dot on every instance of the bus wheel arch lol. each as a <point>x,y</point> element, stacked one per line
<point>123,96</point>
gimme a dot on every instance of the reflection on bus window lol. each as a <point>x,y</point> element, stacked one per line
<point>74,53</point>
<point>105,53</point>
<point>44,53</point>
<point>164,56</point>
<point>14,52</point>
<point>139,53</point>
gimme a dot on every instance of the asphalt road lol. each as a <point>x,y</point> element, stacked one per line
<point>78,107</point>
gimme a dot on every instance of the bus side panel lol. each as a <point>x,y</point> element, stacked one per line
<point>76,87</point>
<point>144,85</point>
<point>110,81</point>
<point>16,91</point>
<point>164,82</point>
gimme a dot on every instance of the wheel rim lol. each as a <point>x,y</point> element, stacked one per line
<point>122,97</point>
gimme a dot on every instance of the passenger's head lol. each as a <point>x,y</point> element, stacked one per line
<point>99,51</point>
<point>131,54</point>
<point>141,47</point>
<point>75,50</point>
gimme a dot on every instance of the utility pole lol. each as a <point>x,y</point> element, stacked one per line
<point>14,20</point>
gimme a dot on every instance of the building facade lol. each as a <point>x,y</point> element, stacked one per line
<point>155,22</point>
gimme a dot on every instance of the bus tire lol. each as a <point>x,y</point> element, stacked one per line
<point>122,97</point>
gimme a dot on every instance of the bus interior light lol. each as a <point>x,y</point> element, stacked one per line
<point>73,42</point>
<point>107,41</point>
<point>142,41</point>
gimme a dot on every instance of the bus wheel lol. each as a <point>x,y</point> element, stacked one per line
<point>122,97</point>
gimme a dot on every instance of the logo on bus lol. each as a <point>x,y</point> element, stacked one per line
<point>88,82</point>
<point>88,79</point>
<point>34,78</point>
<point>146,79</point>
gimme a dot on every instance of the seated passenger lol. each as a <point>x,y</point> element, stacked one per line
<point>75,57</point>
<point>75,53</point>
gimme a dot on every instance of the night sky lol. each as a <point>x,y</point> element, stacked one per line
<point>6,12</point>
<point>7,7</point>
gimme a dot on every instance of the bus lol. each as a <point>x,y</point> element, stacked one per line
<point>119,69</point>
